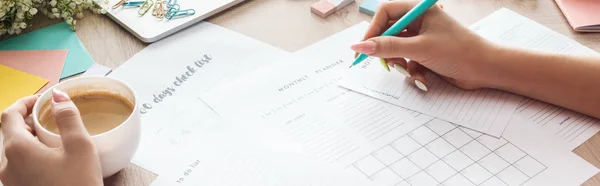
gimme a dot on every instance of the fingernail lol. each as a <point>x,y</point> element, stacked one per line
<point>401,69</point>
<point>355,54</point>
<point>59,96</point>
<point>365,47</point>
<point>420,85</point>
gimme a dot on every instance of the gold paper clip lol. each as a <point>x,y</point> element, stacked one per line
<point>159,10</point>
<point>145,7</point>
<point>118,4</point>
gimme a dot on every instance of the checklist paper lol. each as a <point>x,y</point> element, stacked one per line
<point>573,127</point>
<point>378,140</point>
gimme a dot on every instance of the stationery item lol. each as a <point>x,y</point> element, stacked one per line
<point>320,117</point>
<point>402,23</point>
<point>199,58</point>
<point>16,84</point>
<point>573,127</point>
<point>582,15</point>
<point>484,110</point>
<point>47,64</point>
<point>241,155</point>
<point>439,153</point>
<point>369,7</point>
<point>175,12</point>
<point>148,29</point>
<point>144,8</point>
<point>159,10</point>
<point>115,142</point>
<point>97,70</point>
<point>59,36</point>
<point>325,8</point>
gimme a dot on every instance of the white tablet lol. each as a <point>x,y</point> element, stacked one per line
<point>149,28</point>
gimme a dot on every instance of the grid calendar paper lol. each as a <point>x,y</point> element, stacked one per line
<point>441,153</point>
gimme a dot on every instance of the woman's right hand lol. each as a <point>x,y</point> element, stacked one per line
<point>434,42</point>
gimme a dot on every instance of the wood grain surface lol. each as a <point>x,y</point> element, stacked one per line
<point>289,25</point>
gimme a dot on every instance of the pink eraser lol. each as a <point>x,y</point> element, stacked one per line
<point>323,8</point>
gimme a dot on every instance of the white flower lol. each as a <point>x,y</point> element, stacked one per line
<point>15,25</point>
<point>11,31</point>
<point>23,25</point>
<point>25,8</point>
<point>55,10</point>
<point>72,5</point>
<point>20,15</point>
<point>33,11</point>
<point>17,31</point>
<point>53,3</point>
<point>67,1</point>
<point>2,14</point>
<point>56,15</point>
<point>65,15</point>
<point>103,11</point>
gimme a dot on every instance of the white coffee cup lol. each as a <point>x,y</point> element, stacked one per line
<point>117,146</point>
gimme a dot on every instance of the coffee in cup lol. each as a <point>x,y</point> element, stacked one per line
<point>100,111</point>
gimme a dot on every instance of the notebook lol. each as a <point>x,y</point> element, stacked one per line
<point>583,15</point>
<point>148,28</point>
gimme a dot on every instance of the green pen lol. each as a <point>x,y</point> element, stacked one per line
<point>399,26</point>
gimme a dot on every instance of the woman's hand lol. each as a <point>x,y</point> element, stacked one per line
<point>434,42</point>
<point>28,162</point>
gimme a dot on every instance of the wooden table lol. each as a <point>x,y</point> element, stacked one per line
<point>269,21</point>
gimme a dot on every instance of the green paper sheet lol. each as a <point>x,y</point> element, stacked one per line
<point>59,36</point>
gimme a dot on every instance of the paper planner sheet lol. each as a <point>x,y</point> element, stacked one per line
<point>245,155</point>
<point>449,101</point>
<point>168,76</point>
<point>322,120</point>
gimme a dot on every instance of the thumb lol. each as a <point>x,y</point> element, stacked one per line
<point>68,120</point>
<point>391,47</point>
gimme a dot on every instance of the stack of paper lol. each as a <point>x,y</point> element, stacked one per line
<point>262,117</point>
<point>365,135</point>
<point>51,53</point>
<point>55,37</point>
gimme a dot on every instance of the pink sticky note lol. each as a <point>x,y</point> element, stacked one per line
<point>47,64</point>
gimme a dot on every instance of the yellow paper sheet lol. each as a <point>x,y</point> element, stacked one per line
<point>15,84</point>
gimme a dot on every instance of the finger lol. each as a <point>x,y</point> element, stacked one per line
<point>417,72</point>
<point>13,118</point>
<point>399,64</point>
<point>391,47</point>
<point>68,120</point>
<point>386,12</point>
<point>29,124</point>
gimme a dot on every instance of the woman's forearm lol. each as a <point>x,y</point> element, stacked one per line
<point>572,82</point>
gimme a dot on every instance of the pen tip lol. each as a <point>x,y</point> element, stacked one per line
<point>350,66</point>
